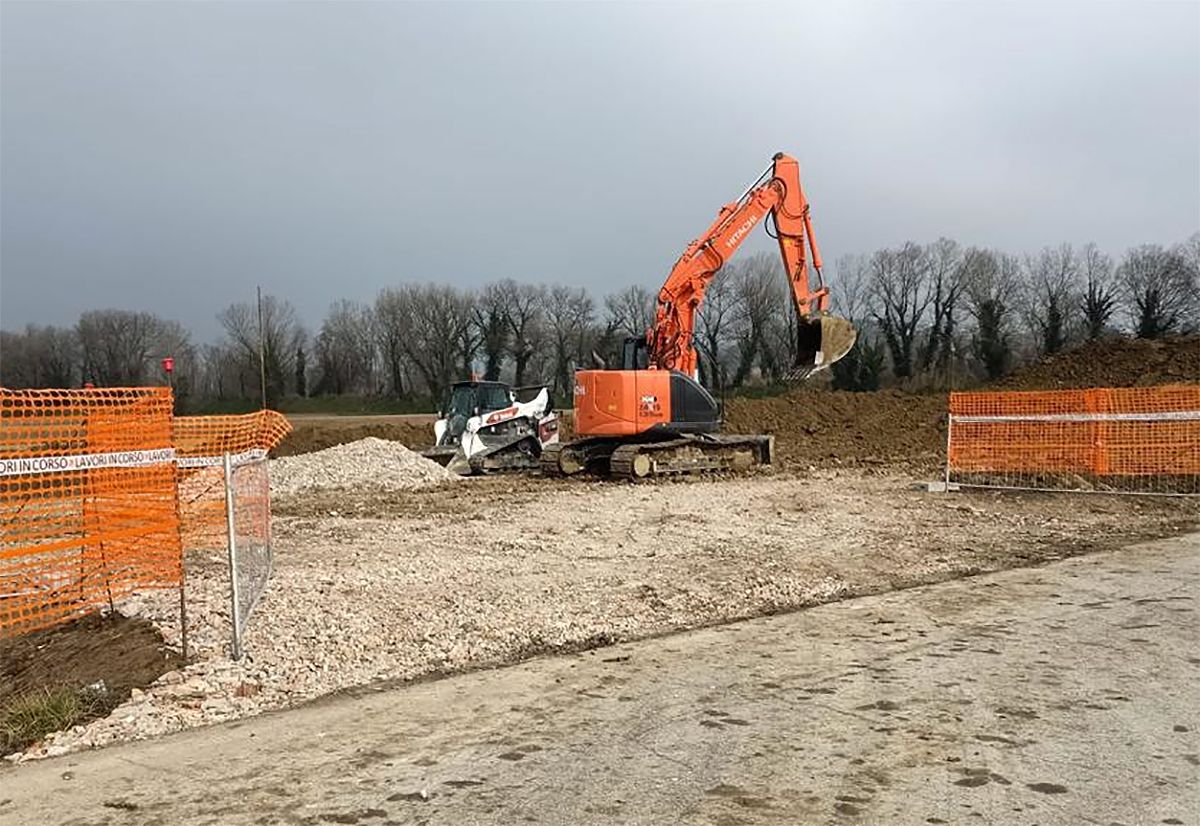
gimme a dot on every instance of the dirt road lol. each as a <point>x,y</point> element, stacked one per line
<point>1060,694</point>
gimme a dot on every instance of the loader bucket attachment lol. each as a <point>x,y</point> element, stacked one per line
<point>822,341</point>
<point>442,454</point>
<point>459,463</point>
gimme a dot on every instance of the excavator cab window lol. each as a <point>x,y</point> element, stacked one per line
<point>636,354</point>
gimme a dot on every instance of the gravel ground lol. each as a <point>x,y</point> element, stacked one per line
<point>401,584</point>
<point>379,463</point>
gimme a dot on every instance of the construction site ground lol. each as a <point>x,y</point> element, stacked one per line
<point>1061,694</point>
<point>372,586</point>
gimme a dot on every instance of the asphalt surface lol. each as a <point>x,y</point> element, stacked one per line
<point>1063,694</point>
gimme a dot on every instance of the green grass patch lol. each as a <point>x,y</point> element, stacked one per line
<point>28,718</point>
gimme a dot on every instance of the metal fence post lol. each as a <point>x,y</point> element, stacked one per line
<point>231,530</point>
<point>949,429</point>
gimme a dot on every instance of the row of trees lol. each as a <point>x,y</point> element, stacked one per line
<point>931,314</point>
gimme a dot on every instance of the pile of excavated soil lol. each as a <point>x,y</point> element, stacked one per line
<point>308,436</point>
<point>826,428</point>
<point>1111,362</point>
<point>375,463</point>
<point>101,659</point>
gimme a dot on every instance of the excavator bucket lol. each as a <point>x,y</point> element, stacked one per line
<point>822,341</point>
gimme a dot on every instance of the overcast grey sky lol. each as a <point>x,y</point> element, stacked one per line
<point>169,156</point>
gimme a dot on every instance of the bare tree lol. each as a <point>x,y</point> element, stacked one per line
<point>901,286</point>
<point>492,324</point>
<point>16,365</point>
<point>852,297</point>
<point>1050,286</point>
<point>345,349</point>
<point>944,260</point>
<point>759,297</point>
<point>1189,251</point>
<point>39,357</point>
<point>282,337</point>
<point>1099,296</point>
<point>426,321</point>
<point>1159,287</point>
<point>467,335</point>
<point>123,348</point>
<point>391,333</point>
<point>713,325</point>
<point>991,279</point>
<point>220,374</point>
<point>631,310</point>
<point>525,312</point>
<point>569,315</point>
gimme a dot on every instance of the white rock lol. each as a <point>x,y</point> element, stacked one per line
<point>376,463</point>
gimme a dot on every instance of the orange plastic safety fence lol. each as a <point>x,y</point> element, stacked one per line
<point>200,444</point>
<point>1135,439</point>
<point>87,501</point>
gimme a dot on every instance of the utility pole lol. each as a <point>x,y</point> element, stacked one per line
<point>262,359</point>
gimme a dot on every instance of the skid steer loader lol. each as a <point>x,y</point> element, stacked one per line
<point>483,427</point>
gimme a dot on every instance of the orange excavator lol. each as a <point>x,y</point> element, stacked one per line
<point>651,416</point>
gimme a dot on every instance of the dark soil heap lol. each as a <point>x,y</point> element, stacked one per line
<point>1111,362</point>
<point>830,428</point>
<point>98,659</point>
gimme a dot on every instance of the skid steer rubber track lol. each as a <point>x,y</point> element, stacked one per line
<point>519,454</point>
<point>549,461</point>
<point>692,455</point>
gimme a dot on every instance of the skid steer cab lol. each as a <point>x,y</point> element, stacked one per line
<point>484,426</point>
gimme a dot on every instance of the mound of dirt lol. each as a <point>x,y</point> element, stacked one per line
<point>372,462</point>
<point>824,428</point>
<point>1111,362</point>
<point>99,658</point>
<point>307,436</point>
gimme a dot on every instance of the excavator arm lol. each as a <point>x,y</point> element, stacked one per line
<point>776,194</point>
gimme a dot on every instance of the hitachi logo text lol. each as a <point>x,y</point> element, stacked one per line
<point>740,232</point>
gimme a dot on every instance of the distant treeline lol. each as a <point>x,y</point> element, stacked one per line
<point>929,315</point>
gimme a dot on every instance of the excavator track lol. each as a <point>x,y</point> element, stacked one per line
<point>691,455</point>
<point>565,459</point>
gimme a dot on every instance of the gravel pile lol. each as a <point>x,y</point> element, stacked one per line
<point>375,463</point>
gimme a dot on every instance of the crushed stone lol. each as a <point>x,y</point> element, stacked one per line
<point>373,463</point>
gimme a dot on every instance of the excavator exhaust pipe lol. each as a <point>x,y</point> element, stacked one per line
<point>822,341</point>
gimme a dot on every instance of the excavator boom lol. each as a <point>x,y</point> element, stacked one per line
<point>778,196</point>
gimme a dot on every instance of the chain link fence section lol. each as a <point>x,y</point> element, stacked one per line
<point>1141,440</point>
<point>225,500</point>
<point>248,539</point>
<point>200,444</point>
<point>88,504</point>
